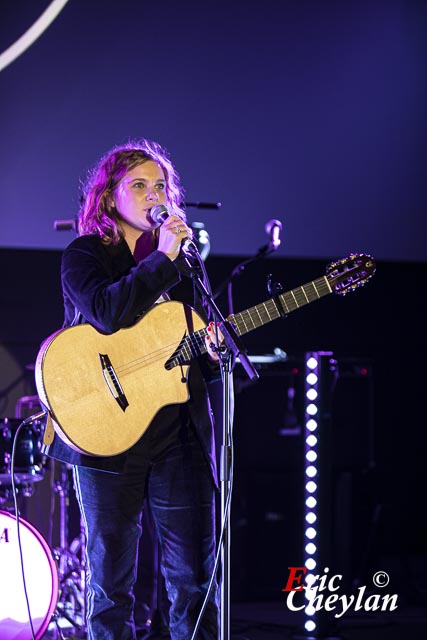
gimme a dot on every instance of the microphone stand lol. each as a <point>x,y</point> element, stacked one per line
<point>228,352</point>
<point>239,269</point>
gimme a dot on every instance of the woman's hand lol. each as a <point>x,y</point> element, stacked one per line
<point>171,235</point>
<point>211,340</point>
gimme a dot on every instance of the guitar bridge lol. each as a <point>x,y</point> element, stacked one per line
<point>112,381</point>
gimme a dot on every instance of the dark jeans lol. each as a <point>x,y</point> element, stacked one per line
<point>178,484</point>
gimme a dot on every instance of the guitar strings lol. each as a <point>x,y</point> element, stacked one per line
<point>291,299</point>
<point>186,347</point>
<point>196,337</point>
<point>159,354</point>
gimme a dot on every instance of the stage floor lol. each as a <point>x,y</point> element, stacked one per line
<point>273,621</point>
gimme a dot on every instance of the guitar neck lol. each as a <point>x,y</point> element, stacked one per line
<point>281,305</point>
<point>194,344</point>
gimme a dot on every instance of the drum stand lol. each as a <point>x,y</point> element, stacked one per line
<point>71,561</point>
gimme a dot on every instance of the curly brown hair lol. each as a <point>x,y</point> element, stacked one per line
<point>97,215</point>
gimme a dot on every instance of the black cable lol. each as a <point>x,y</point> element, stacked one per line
<point>263,252</point>
<point>218,553</point>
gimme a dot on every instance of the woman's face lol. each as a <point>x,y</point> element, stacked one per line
<point>135,195</point>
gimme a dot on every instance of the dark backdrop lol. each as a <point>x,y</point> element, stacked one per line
<point>381,418</point>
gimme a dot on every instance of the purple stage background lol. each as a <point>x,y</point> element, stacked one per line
<point>309,112</point>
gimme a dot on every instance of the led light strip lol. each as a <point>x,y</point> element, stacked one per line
<point>311,389</point>
<point>31,35</point>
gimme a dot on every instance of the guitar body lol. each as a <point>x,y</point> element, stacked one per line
<point>102,391</point>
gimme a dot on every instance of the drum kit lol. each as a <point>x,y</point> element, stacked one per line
<point>42,588</point>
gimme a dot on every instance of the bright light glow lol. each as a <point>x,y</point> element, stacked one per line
<point>311,456</point>
<point>311,378</point>
<point>310,578</point>
<point>310,625</point>
<point>311,517</point>
<point>311,425</point>
<point>312,363</point>
<point>311,409</point>
<point>31,35</point>
<point>312,394</point>
<point>311,487</point>
<point>312,397</point>
<point>311,440</point>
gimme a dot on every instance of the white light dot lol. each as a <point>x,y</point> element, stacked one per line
<point>310,564</point>
<point>311,502</point>
<point>310,533</point>
<point>311,424</point>
<point>312,394</point>
<point>311,378</point>
<point>310,548</point>
<point>312,363</point>
<point>311,440</point>
<point>311,517</point>
<point>311,409</point>
<point>311,471</point>
<point>311,456</point>
<point>311,486</point>
<point>310,625</point>
<point>310,579</point>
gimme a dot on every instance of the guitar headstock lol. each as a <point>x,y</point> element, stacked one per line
<point>349,273</point>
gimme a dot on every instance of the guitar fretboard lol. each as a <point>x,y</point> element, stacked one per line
<point>283,304</point>
<point>194,344</point>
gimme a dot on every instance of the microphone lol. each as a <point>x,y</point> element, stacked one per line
<point>273,229</point>
<point>203,205</point>
<point>158,215</point>
<point>65,225</point>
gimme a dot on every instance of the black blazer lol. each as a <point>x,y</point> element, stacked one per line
<point>104,286</point>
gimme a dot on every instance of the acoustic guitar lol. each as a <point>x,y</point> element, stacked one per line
<point>102,391</point>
